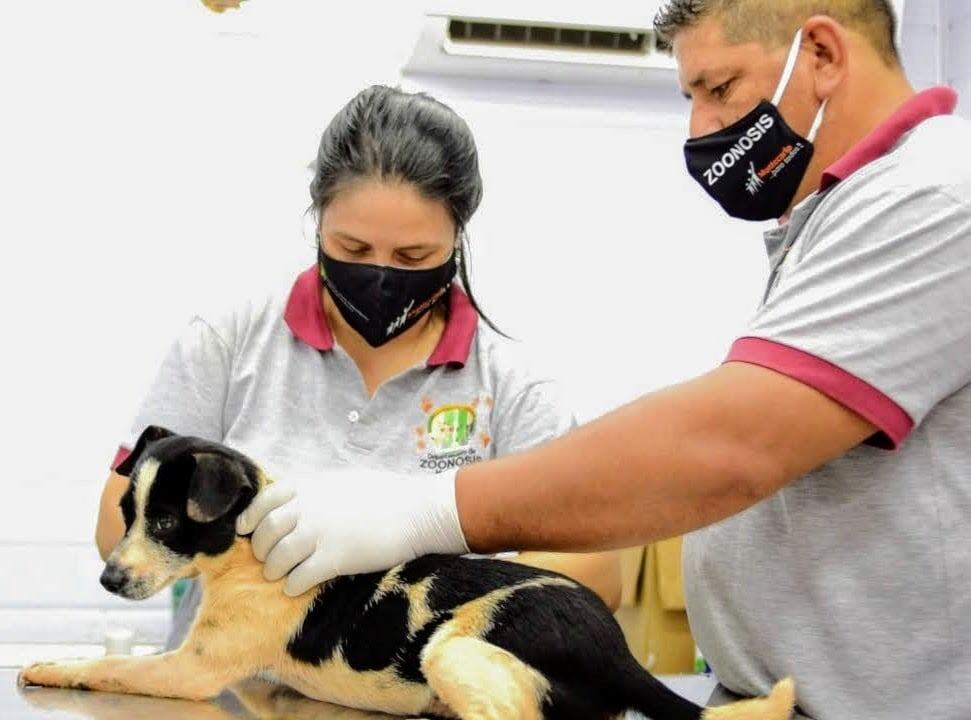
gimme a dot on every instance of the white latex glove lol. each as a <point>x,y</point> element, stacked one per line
<point>344,522</point>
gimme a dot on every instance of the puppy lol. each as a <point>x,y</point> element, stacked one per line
<point>438,636</point>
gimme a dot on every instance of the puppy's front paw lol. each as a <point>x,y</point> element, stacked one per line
<point>28,675</point>
<point>48,674</point>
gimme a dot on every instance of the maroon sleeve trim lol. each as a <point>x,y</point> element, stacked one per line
<point>858,395</point>
<point>120,457</point>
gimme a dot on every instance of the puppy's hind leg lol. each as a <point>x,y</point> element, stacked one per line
<point>479,681</point>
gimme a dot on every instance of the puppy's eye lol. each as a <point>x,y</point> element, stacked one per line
<point>163,523</point>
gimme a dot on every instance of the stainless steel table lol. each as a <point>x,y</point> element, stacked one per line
<point>253,700</point>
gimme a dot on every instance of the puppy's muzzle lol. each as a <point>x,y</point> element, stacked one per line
<point>114,578</point>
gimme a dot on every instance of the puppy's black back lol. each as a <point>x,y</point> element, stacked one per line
<point>373,633</point>
<point>564,631</point>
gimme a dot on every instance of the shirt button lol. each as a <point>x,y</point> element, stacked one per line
<point>353,416</point>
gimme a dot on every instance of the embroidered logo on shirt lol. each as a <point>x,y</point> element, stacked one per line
<point>450,436</point>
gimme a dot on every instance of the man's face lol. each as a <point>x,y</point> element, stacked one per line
<point>724,82</point>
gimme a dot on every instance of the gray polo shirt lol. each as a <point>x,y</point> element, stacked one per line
<point>268,380</point>
<point>856,579</point>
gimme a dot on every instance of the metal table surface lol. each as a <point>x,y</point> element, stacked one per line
<point>252,700</point>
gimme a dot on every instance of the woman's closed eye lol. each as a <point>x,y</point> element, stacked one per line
<point>357,251</point>
<point>413,258</point>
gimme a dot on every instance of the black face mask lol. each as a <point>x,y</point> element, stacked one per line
<point>754,167</point>
<point>382,302</point>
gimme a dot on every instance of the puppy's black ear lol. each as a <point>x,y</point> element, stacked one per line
<point>216,484</point>
<point>149,435</point>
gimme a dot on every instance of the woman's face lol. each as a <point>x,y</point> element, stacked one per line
<point>387,223</point>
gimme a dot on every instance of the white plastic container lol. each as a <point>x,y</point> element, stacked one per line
<point>118,641</point>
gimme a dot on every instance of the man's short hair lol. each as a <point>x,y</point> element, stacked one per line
<point>774,22</point>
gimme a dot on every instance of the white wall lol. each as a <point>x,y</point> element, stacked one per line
<point>921,45</point>
<point>594,246</point>
<point>958,50</point>
<point>154,160</point>
<point>936,46</point>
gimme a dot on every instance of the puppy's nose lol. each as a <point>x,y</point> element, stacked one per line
<point>113,578</point>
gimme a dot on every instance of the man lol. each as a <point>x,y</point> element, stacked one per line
<point>824,468</point>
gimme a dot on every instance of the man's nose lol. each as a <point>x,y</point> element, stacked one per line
<point>704,123</point>
<point>114,577</point>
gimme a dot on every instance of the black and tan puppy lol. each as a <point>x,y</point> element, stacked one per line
<point>442,636</point>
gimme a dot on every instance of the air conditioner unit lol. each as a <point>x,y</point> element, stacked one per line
<point>608,42</point>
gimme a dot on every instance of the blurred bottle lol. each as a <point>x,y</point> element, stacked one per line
<point>701,665</point>
<point>178,590</point>
<point>118,641</point>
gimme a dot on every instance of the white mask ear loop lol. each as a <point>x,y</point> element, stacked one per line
<point>784,84</point>
<point>790,66</point>
<point>811,137</point>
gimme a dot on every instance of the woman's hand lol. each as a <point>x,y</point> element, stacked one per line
<point>344,522</point>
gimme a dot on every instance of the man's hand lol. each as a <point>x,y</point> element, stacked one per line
<point>344,522</point>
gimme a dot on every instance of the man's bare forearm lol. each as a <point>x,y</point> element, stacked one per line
<point>667,464</point>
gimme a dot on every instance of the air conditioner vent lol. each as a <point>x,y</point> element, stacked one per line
<point>549,37</point>
<point>608,43</point>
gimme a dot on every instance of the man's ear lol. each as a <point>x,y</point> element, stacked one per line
<point>149,435</point>
<point>830,43</point>
<point>216,484</point>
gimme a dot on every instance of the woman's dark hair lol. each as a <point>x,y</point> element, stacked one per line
<point>389,134</point>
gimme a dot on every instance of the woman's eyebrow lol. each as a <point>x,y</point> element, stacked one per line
<point>346,236</point>
<point>417,246</point>
<point>404,248</point>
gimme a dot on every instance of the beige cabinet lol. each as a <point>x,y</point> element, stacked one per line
<point>652,612</point>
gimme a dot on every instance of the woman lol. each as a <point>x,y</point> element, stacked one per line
<point>376,355</point>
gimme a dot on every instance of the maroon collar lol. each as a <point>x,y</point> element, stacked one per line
<point>921,107</point>
<point>305,317</point>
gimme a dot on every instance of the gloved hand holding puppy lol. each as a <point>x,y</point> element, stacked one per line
<point>375,520</point>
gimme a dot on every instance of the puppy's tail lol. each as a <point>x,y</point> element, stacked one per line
<point>777,706</point>
<point>655,700</point>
